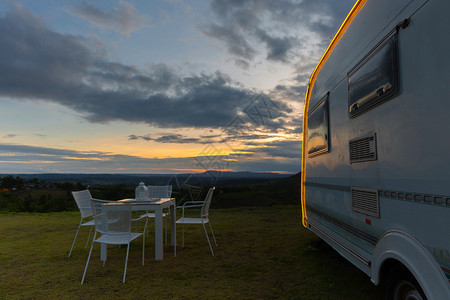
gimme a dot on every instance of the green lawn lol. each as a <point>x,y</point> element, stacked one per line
<point>262,253</point>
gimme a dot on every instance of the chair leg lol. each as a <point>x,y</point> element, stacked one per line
<point>173,238</point>
<point>143,247</point>
<point>207,237</point>
<point>126,262</point>
<point>146,222</point>
<point>73,243</point>
<point>89,257</point>
<point>167,216</point>
<point>212,233</point>
<point>166,228</point>
<point>89,237</point>
<point>146,226</point>
<point>182,236</point>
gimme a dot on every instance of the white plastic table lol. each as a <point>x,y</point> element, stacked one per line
<point>156,205</point>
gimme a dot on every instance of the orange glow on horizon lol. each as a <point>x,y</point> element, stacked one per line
<point>278,172</point>
<point>202,170</point>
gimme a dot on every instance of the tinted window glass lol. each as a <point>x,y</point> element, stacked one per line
<point>374,79</point>
<point>318,137</point>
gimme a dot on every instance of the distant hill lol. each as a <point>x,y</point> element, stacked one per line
<point>273,192</point>
<point>210,178</point>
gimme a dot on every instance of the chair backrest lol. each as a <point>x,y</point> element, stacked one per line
<point>159,191</point>
<point>83,200</point>
<point>111,217</point>
<point>195,193</point>
<point>207,203</point>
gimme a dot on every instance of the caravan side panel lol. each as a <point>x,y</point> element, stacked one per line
<point>376,159</point>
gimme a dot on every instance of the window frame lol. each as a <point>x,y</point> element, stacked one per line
<point>381,95</point>
<point>322,103</point>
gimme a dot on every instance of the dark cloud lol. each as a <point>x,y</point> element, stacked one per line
<point>277,48</point>
<point>124,18</point>
<point>291,92</point>
<point>286,149</point>
<point>244,24</point>
<point>241,63</point>
<point>171,139</point>
<point>12,148</point>
<point>35,160</point>
<point>235,40</point>
<point>291,149</point>
<point>212,139</point>
<point>18,158</point>
<point>245,137</point>
<point>37,63</point>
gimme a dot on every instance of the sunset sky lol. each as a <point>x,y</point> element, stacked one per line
<point>163,86</point>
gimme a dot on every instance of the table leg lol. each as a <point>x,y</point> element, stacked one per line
<point>158,234</point>
<point>173,227</point>
<point>103,247</point>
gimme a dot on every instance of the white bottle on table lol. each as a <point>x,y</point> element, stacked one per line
<point>141,192</point>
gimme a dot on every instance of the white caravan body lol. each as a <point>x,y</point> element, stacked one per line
<point>376,142</point>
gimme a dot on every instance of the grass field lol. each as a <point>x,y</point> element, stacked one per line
<point>262,253</point>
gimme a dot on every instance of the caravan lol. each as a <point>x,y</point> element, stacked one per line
<point>376,146</point>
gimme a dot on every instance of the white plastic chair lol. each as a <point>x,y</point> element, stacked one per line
<point>83,200</point>
<point>204,212</point>
<point>113,223</point>
<point>158,191</point>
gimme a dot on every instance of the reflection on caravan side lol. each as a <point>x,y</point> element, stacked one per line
<point>318,129</point>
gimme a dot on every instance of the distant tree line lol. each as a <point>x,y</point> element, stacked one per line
<point>11,182</point>
<point>33,195</point>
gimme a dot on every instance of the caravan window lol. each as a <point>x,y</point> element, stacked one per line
<point>318,135</point>
<point>375,78</point>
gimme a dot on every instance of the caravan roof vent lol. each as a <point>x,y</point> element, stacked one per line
<point>366,201</point>
<point>363,148</point>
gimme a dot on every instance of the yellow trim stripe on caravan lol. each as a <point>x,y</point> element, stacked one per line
<point>351,15</point>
